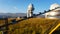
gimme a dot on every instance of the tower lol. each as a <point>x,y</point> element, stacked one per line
<point>30,10</point>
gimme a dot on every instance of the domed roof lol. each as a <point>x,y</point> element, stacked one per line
<point>53,6</point>
<point>30,6</point>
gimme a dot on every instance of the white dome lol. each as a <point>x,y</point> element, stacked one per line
<point>53,6</point>
<point>30,6</point>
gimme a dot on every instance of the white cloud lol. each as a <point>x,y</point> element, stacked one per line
<point>15,8</point>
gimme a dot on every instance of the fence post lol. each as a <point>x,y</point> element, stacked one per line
<point>6,27</point>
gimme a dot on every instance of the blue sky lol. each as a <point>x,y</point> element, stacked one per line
<point>20,6</point>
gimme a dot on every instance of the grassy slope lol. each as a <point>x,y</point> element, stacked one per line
<point>32,26</point>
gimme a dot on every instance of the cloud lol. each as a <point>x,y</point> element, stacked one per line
<point>3,11</point>
<point>15,9</point>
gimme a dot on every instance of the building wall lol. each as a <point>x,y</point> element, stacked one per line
<point>53,14</point>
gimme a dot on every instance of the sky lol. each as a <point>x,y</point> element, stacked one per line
<point>20,6</point>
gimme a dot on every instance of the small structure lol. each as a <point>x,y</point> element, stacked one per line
<point>55,14</point>
<point>30,10</point>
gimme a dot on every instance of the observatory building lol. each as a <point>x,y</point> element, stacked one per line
<point>30,10</point>
<point>53,14</point>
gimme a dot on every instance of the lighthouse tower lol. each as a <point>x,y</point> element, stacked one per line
<point>30,10</point>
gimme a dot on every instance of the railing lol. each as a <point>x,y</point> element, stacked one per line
<point>45,12</point>
<point>7,24</point>
<point>51,27</point>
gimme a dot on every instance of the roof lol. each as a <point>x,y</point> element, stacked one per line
<point>53,6</point>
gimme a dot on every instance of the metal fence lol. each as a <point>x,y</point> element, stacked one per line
<point>4,28</point>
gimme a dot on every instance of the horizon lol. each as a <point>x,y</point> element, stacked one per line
<point>20,6</point>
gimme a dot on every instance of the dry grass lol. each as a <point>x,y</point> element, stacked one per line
<point>32,26</point>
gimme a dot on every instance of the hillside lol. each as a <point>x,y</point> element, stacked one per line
<point>32,26</point>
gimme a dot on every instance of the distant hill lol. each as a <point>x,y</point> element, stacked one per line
<point>13,15</point>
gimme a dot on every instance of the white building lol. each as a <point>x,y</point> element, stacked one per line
<point>55,14</point>
<point>30,10</point>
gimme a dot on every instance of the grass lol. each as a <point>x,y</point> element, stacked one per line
<point>31,26</point>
